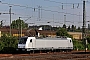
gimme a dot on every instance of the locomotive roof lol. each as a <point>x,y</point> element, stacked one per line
<point>49,38</point>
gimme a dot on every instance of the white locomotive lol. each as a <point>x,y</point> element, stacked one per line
<point>32,43</point>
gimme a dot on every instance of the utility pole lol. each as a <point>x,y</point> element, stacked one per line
<point>39,13</point>
<point>84,26</point>
<point>65,19</point>
<point>10,18</point>
<point>53,20</point>
<point>19,27</point>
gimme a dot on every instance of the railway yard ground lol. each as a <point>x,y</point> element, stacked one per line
<point>74,55</point>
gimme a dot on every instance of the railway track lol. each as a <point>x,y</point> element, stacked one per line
<point>48,56</point>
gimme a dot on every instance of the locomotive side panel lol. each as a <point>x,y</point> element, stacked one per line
<point>52,44</point>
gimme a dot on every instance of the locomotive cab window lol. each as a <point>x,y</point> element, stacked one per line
<point>23,40</point>
<point>70,41</point>
<point>30,40</point>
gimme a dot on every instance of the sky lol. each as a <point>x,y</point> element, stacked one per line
<point>57,12</point>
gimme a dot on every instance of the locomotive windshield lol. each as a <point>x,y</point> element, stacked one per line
<point>23,40</point>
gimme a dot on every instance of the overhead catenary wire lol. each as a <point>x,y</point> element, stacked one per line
<point>41,9</point>
<point>61,2</point>
<point>78,4</point>
<point>34,9</point>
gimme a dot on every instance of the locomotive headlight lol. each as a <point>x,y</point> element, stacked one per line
<point>21,46</point>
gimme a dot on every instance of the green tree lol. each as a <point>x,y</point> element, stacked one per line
<point>8,43</point>
<point>62,32</point>
<point>78,45</point>
<point>88,42</point>
<point>73,28</point>
<point>78,29</point>
<point>16,24</point>
<point>64,26</point>
<point>68,29</point>
<point>88,39</point>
